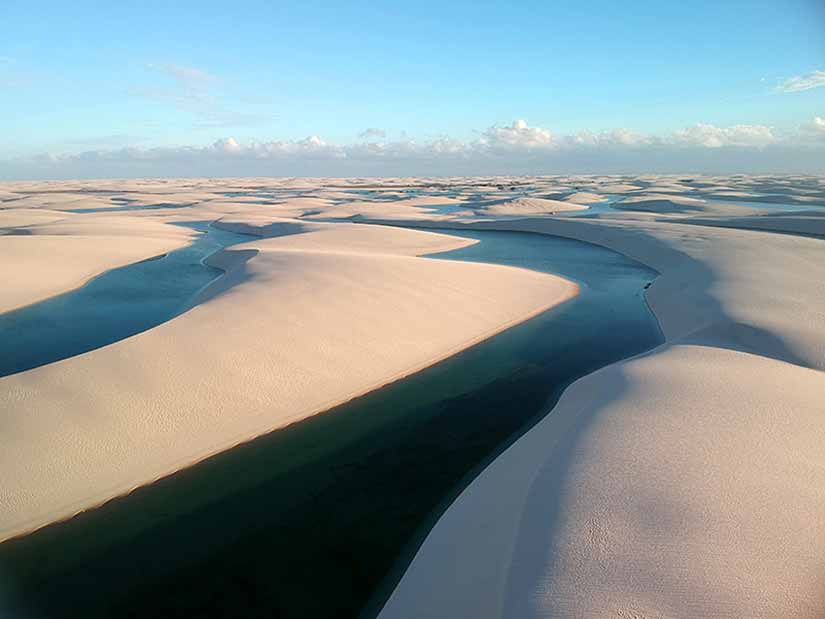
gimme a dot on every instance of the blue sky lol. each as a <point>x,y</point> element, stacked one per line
<point>178,79</point>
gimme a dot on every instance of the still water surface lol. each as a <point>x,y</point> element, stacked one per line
<point>112,306</point>
<point>319,518</point>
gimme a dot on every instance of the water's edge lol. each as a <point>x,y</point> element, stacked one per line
<point>363,477</point>
<point>113,305</point>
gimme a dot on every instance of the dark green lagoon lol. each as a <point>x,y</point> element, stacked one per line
<point>319,519</point>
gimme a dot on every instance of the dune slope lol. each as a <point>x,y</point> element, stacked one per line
<point>44,259</point>
<point>298,324</point>
<point>682,483</point>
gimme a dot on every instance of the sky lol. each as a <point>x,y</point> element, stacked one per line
<point>249,88</point>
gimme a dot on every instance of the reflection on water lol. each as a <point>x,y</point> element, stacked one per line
<point>308,521</point>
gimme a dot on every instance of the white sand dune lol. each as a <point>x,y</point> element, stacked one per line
<point>682,483</point>
<point>531,206</point>
<point>344,237</point>
<point>744,195</point>
<point>412,208</point>
<point>618,188</point>
<point>12,218</point>
<point>431,201</point>
<point>661,203</point>
<point>59,201</point>
<point>686,482</point>
<point>801,222</point>
<point>585,197</point>
<point>668,188</point>
<point>57,256</point>
<point>312,320</point>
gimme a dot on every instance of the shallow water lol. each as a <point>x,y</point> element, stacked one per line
<point>310,520</point>
<point>112,306</point>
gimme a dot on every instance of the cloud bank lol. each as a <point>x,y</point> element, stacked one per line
<point>798,83</point>
<point>517,148</point>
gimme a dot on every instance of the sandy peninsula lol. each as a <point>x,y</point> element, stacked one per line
<point>44,257</point>
<point>298,324</point>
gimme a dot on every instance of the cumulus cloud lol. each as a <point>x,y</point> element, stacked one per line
<point>798,83</point>
<point>517,135</point>
<point>312,147</point>
<point>227,145</point>
<point>814,129</point>
<point>517,148</point>
<point>614,137</point>
<point>711,136</point>
<point>372,132</point>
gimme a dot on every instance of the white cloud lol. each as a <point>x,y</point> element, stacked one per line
<point>711,136</point>
<point>311,147</point>
<point>814,129</point>
<point>517,148</point>
<point>517,135</point>
<point>798,83</point>
<point>614,137</point>
<point>372,132</point>
<point>495,143</point>
<point>227,145</point>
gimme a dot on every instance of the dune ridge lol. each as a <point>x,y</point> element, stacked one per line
<point>299,323</point>
<point>681,482</point>
<point>678,483</point>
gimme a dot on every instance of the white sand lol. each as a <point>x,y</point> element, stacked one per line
<point>312,320</point>
<point>57,256</point>
<point>585,197</point>
<point>688,482</point>
<point>618,188</point>
<point>804,223</point>
<point>661,203</point>
<point>683,483</point>
<point>531,206</point>
<point>12,218</point>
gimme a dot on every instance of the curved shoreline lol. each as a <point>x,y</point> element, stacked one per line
<point>112,494</point>
<point>700,459</point>
<point>538,293</point>
<point>402,463</point>
<point>467,574</point>
<point>92,273</point>
<point>109,307</point>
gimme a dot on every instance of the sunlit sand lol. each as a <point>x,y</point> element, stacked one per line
<point>685,481</point>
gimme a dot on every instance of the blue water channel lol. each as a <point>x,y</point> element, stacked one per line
<point>319,519</point>
<point>112,306</point>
